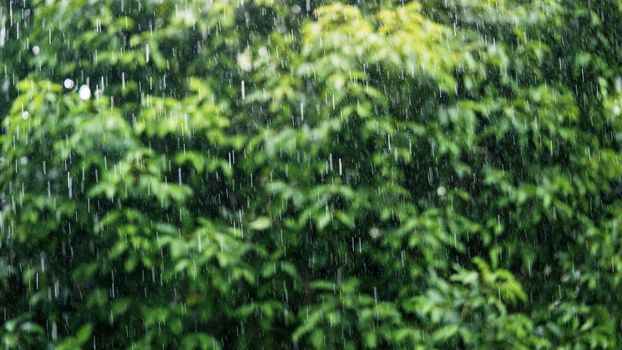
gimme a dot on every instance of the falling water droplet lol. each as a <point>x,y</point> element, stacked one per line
<point>68,84</point>
<point>25,115</point>
<point>245,61</point>
<point>441,191</point>
<point>84,92</point>
<point>36,50</point>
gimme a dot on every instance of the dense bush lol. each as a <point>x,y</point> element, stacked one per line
<point>261,174</point>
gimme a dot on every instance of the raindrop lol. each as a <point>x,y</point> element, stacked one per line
<point>36,50</point>
<point>374,232</point>
<point>84,92</point>
<point>68,84</point>
<point>245,61</point>
<point>441,191</point>
<point>25,115</point>
<point>2,36</point>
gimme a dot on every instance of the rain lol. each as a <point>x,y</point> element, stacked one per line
<point>261,174</point>
<point>84,92</point>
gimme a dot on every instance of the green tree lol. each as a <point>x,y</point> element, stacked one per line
<point>235,174</point>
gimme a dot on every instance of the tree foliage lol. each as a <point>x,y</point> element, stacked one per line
<point>263,174</point>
